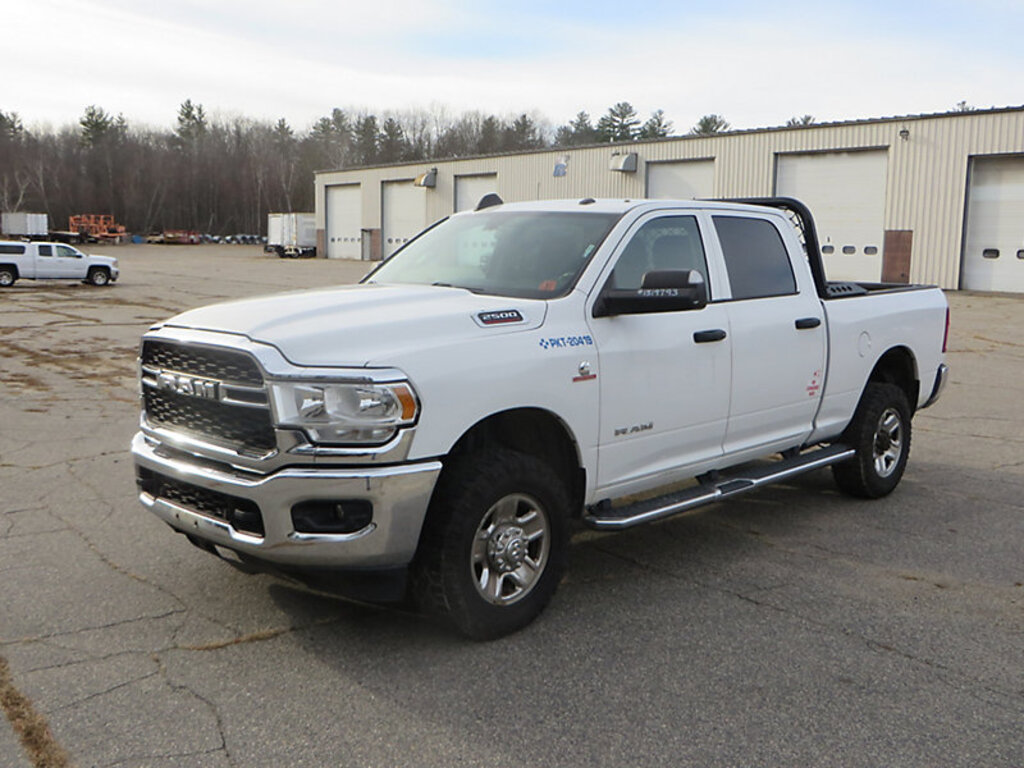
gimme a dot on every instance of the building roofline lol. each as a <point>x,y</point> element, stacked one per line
<point>667,139</point>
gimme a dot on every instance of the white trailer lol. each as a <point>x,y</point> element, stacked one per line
<point>21,224</point>
<point>291,235</point>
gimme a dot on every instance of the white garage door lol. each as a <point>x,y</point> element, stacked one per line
<point>846,194</point>
<point>344,221</point>
<point>994,246</point>
<point>404,214</point>
<point>469,189</point>
<point>684,180</point>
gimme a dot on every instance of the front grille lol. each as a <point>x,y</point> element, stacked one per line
<point>246,430</point>
<point>208,362</point>
<point>241,514</point>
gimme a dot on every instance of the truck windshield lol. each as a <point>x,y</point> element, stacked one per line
<point>524,254</point>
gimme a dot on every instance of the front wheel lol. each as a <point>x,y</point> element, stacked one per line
<point>495,543</point>
<point>98,276</point>
<point>880,434</point>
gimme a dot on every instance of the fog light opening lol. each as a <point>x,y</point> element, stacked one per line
<point>332,515</point>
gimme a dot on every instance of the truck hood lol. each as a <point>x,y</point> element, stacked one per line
<point>365,325</point>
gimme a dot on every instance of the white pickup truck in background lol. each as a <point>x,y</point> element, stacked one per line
<point>22,260</point>
<point>434,431</point>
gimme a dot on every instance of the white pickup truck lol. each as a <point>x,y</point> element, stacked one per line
<point>436,430</point>
<point>52,261</point>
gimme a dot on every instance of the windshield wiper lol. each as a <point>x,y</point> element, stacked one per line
<point>460,287</point>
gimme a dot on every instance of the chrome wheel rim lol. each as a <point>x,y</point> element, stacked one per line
<point>6,279</point>
<point>888,442</point>
<point>510,549</point>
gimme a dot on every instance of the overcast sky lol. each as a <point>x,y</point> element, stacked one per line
<point>756,63</point>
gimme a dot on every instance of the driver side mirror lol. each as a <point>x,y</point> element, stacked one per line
<point>662,290</point>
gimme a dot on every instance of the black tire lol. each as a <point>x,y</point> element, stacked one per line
<point>8,277</point>
<point>880,433</point>
<point>98,276</point>
<point>494,545</point>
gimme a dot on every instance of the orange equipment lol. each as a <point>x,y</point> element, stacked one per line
<point>97,226</point>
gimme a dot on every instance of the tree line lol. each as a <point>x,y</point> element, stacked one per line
<point>223,175</point>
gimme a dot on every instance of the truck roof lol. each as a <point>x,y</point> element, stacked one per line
<point>8,241</point>
<point>617,205</point>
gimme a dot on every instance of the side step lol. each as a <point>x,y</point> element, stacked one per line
<point>604,518</point>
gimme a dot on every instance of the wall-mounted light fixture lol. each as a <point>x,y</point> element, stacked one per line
<point>428,179</point>
<point>904,134</point>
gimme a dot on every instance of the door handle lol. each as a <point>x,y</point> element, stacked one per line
<point>807,322</point>
<point>703,337</point>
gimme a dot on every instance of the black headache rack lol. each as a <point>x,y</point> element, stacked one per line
<point>803,221</point>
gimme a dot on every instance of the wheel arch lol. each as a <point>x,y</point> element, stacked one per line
<point>534,431</point>
<point>898,366</point>
<point>12,267</point>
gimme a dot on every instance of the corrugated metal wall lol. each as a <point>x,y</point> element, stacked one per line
<point>925,192</point>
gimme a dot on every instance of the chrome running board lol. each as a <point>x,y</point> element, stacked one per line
<point>604,517</point>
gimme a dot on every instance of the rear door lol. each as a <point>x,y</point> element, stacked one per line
<point>46,263</point>
<point>663,377</point>
<point>777,331</point>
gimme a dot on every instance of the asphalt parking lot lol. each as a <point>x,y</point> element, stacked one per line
<point>793,627</point>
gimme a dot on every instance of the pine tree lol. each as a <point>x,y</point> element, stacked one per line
<point>709,125</point>
<point>619,124</point>
<point>392,144</point>
<point>96,125</point>
<point>366,139</point>
<point>656,127</point>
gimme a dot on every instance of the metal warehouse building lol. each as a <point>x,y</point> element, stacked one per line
<point>925,198</point>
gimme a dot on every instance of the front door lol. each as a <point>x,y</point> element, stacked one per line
<point>69,262</point>
<point>664,377</point>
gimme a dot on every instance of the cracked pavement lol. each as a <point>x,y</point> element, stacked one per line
<point>794,626</point>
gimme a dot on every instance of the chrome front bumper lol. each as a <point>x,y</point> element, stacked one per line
<point>399,494</point>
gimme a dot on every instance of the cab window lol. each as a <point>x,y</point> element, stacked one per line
<point>755,257</point>
<point>68,253</point>
<point>669,242</point>
<point>46,250</point>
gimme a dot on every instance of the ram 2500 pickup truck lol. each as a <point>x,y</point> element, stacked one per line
<point>436,430</point>
<point>53,261</point>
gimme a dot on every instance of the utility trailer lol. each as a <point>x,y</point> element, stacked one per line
<point>22,224</point>
<point>291,235</point>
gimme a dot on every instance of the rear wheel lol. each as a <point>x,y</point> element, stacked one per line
<point>98,276</point>
<point>880,434</point>
<point>495,543</point>
<point>7,277</point>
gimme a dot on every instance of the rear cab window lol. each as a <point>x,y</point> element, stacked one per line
<point>755,255</point>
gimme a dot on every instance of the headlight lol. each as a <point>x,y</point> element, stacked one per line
<point>344,413</point>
